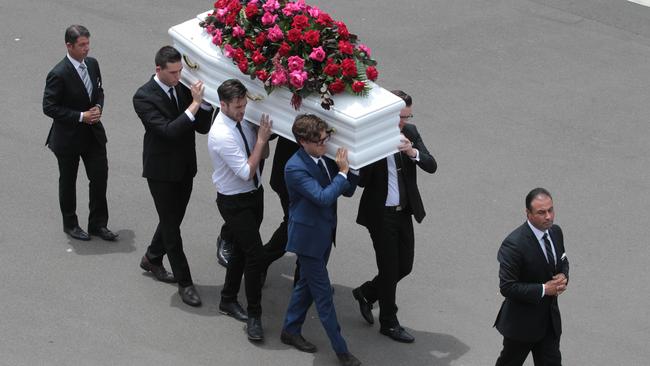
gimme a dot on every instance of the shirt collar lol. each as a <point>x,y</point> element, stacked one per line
<point>538,233</point>
<point>162,85</point>
<point>74,62</point>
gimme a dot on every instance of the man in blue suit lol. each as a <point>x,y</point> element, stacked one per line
<point>314,183</point>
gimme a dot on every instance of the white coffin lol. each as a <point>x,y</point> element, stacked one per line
<point>366,126</point>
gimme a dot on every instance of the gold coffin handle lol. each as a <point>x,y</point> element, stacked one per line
<point>255,98</point>
<point>190,63</point>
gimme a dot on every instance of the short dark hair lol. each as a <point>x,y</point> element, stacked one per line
<point>308,127</point>
<point>405,97</point>
<point>73,32</point>
<point>534,193</point>
<point>167,54</point>
<point>230,90</point>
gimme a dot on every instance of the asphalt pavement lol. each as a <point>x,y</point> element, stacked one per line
<point>508,95</point>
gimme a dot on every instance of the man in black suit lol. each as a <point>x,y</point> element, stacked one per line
<point>533,272</point>
<point>74,99</point>
<point>171,114</point>
<point>390,197</point>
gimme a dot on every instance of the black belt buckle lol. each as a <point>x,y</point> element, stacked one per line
<point>397,208</point>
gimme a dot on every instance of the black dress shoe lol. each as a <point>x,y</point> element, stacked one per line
<point>347,359</point>
<point>77,233</point>
<point>189,295</point>
<point>233,309</point>
<point>103,233</point>
<point>397,333</point>
<point>224,251</point>
<point>364,306</point>
<point>297,341</point>
<point>158,270</point>
<point>254,329</point>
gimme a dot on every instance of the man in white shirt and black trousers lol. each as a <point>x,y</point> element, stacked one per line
<point>236,148</point>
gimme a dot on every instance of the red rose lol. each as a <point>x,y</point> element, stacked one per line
<point>220,3</point>
<point>349,67</point>
<point>332,69</point>
<point>336,86</point>
<point>251,11</point>
<point>249,45</point>
<point>262,75</point>
<point>231,19</point>
<point>284,49</point>
<point>243,66</point>
<point>343,30</point>
<point>258,58</point>
<point>346,47</point>
<point>234,6</point>
<point>300,22</point>
<point>324,19</point>
<point>358,86</point>
<point>239,55</point>
<point>294,35</point>
<point>312,37</point>
<point>371,73</point>
<point>260,39</point>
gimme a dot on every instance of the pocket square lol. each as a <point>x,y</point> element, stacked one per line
<point>563,257</point>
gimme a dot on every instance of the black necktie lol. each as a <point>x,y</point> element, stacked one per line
<point>323,170</point>
<point>401,186</point>
<point>549,251</point>
<point>173,98</point>
<point>248,151</point>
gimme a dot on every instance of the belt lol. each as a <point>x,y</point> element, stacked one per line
<point>239,195</point>
<point>397,208</point>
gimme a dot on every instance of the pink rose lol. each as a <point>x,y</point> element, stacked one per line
<point>275,34</point>
<point>228,51</point>
<point>268,19</point>
<point>295,63</point>
<point>216,38</point>
<point>298,78</point>
<point>238,32</point>
<point>313,11</point>
<point>364,49</point>
<point>317,54</point>
<point>290,8</point>
<point>278,77</point>
<point>271,6</point>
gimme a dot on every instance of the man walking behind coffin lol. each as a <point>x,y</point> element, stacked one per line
<point>533,272</point>
<point>390,197</point>
<point>74,99</point>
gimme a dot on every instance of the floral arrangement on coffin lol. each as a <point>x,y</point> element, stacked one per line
<point>291,44</point>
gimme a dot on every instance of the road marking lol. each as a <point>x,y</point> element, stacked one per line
<point>641,2</point>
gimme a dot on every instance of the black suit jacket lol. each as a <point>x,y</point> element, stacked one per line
<point>169,151</point>
<point>64,98</point>
<point>284,150</point>
<point>374,179</point>
<point>525,315</point>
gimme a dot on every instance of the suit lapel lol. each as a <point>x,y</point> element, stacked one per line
<point>74,74</point>
<point>536,248</point>
<point>313,169</point>
<point>163,98</point>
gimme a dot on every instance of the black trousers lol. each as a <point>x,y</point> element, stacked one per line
<point>96,165</point>
<point>546,352</point>
<point>243,215</point>
<point>171,199</point>
<point>393,241</point>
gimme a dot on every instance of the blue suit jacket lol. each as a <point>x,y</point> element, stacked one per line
<point>312,208</point>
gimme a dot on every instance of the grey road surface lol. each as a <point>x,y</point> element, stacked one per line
<point>508,95</point>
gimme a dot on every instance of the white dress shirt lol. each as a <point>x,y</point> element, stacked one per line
<point>229,159</point>
<point>540,240</point>
<point>76,65</point>
<point>166,87</point>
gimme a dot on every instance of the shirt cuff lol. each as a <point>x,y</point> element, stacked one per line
<point>206,106</point>
<point>344,175</point>
<point>417,155</point>
<point>543,292</point>
<point>81,117</point>
<point>189,115</point>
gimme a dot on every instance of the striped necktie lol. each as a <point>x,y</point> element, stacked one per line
<point>86,79</point>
